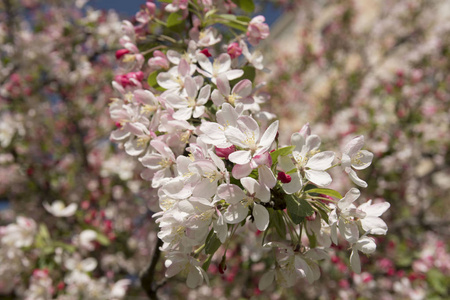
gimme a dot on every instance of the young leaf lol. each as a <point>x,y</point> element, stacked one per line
<point>212,243</point>
<point>281,151</point>
<point>328,192</point>
<point>151,80</point>
<point>246,5</point>
<point>298,209</point>
<point>174,19</point>
<point>102,239</point>
<point>277,221</point>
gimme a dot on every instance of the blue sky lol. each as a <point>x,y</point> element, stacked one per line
<point>130,7</point>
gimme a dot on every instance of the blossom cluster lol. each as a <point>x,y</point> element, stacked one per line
<point>213,156</point>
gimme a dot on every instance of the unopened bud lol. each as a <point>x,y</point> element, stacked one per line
<point>206,52</point>
<point>121,52</point>
<point>225,152</point>
<point>284,178</point>
<point>234,50</point>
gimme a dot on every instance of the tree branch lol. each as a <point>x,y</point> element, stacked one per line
<point>148,274</point>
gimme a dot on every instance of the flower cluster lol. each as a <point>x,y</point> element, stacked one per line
<point>213,156</point>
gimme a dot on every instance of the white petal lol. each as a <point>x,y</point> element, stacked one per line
<point>235,213</point>
<point>295,185</point>
<point>285,162</point>
<point>205,63</point>
<point>354,145</point>
<point>377,209</point>
<point>236,137</point>
<point>349,198</point>
<point>217,98</point>
<point>88,264</point>
<point>349,231</point>
<point>233,74</point>
<point>241,171</point>
<point>355,261</point>
<point>190,86</point>
<point>320,178</point>
<point>321,161</point>
<point>298,141</point>
<point>183,114</point>
<point>240,157</point>
<point>268,136</point>
<point>261,216</point>
<point>194,278</point>
<point>230,193</point>
<point>266,176</point>
<point>354,177</point>
<point>374,225</point>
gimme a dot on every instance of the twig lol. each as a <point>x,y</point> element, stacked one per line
<point>148,274</point>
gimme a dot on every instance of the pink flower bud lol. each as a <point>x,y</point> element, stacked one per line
<point>234,50</point>
<point>158,61</point>
<point>284,178</point>
<point>306,130</point>
<point>206,52</point>
<point>257,30</point>
<point>121,52</point>
<point>225,152</point>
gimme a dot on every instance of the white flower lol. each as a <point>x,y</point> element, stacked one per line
<point>21,234</point>
<point>255,58</point>
<point>371,222</point>
<point>240,94</point>
<point>160,164</point>
<point>191,105</point>
<point>177,262</point>
<point>354,157</point>
<point>119,288</point>
<point>86,238</point>
<point>214,133</point>
<point>221,65</point>
<point>343,217</point>
<point>59,209</point>
<point>173,80</point>
<point>240,202</point>
<point>366,245</point>
<point>307,160</point>
<point>78,269</point>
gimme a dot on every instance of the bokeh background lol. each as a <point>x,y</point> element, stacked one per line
<point>372,67</point>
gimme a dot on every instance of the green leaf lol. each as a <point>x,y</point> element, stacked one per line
<point>67,247</point>
<point>328,192</point>
<point>43,237</point>
<point>246,5</point>
<point>212,243</point>
<point>277,221</point>
<point>244,19</point>
<point>174,19</point>
<point>102,239</point>
<point>233,21</point>
<point>151,80</point>
<point>298,209</point>
<point>207,262</point>
<point>438,281</point>
<point>281,151</point>
<point>322,210</point>
<point>228,17</point>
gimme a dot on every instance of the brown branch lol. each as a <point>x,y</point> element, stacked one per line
<point>148,274</point>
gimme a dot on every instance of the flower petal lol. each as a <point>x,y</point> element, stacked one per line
<point>261,216</point>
